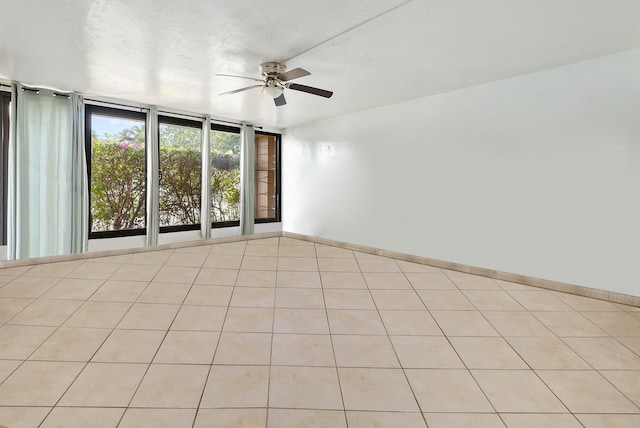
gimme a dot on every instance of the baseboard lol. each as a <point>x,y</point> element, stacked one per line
<point>578,290</point>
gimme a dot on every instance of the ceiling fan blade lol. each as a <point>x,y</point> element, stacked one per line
<point>310,90</point>
<point>240,90</point>
<point>280,101</point>
<point>293,74</point>
<point>240,77</point>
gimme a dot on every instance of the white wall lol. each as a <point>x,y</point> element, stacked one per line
<point>537,175</point>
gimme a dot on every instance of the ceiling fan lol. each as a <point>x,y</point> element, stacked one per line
<point>275,78</point>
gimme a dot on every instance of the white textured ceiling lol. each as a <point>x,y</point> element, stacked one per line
<point>370,53</point>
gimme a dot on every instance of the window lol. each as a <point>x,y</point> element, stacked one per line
<point>225,176</point>
<point>180,174</point>
<point>267,177</point>
<point>5,102</point>
<point>116,162</point>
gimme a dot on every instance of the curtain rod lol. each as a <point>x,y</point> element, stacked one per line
<point>198,117</point>
<point>54,93</point>
<point>114,104</point>
<point>140,108</point>
<point>180,115</point>
<point>166,112</point>
<point>238,124</point>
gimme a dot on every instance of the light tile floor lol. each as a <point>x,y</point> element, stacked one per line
<point>285,333</point>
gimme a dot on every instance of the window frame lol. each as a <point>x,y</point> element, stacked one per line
<point>232,130</point>
<point>278,216</point>
<point>100,110</point>
<point>170,120</point>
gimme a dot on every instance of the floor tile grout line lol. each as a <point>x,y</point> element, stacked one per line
<point>468,370</point>
<point>160,344</point>
<point>586,370</point>
<point>404,372</point>
<point>333,350</point>
<point>637,353</point>
<point>206,380</point>
<point>505,339</point>
<point>273,323</point>
<point>85,365</point>
<point>56,329</point>
<point>537,317</point>
<point>144,375</point>
<point>530,368</point>
<point>538,290</point>
<point>33,298</point>
<point>513,349</point>
<point>614,336</point>
<point>625,395</point>
<point>563,341</point>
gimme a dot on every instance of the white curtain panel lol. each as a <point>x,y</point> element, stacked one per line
<point>80,180</point>
<point>153,177</point>
<point>47,200</point>
<point>247,178</point>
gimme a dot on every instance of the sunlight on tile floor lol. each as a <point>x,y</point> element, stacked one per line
<point>286,333</point>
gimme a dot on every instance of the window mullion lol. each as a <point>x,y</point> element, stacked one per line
<point>205,187</point>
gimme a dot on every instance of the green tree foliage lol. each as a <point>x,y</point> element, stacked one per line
<point>225,176</point>
<point>118,178</point>
<point>180,175</point>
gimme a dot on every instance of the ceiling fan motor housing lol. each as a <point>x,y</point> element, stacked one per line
<point>272,69</point>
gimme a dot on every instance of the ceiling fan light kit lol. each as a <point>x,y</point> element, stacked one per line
<point>275,78</point>
<point>272,89</point>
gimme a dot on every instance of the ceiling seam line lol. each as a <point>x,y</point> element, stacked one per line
<point>346,31</point>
